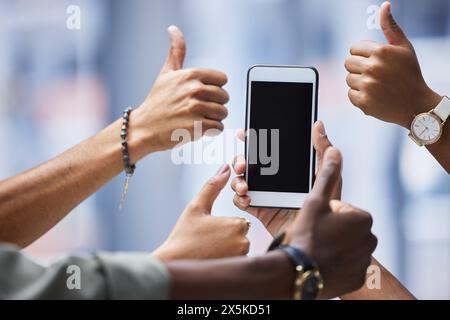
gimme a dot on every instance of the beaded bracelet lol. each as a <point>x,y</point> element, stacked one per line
<point>128,167</point>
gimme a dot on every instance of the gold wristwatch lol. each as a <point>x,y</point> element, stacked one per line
<point>308,280</point>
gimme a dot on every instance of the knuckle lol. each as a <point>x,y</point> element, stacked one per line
<point>374,68</point>
<point>234,183</point>
<point>315,200</point>
<point>368,219</point>
<point>366,83</point>
<point>192,74</point>
<point>348,79</point>
<point>244,246</point>
<point>196,91</point>
<point>188,75</point>
<point>194,206</point>
<point>213,183</point>
<point>381,51</point>
<point>236,201</point>
<point>367,86</point>
<point>373,242</point>
<point>347,63</point>
<point>195,106</point>
<point>364,99</point>
<point>240,225</point>
<point>351,96</point>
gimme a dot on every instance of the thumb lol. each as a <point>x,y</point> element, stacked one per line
<point>206,197</point>
<point>320,141</point>
<point>177,52</point>
<point>328,176</point>
<point>392,31</point>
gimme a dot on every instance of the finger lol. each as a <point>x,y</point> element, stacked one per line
<point>354,81</point>
<point>340,206</point>
<point>320,141</point>
<point>208,76</point>
<point>177,52</point>
<point>364,48</point>
<point>356,98</point>
<point>206,197</point>
<point>211,128</point>
<point>241,135</point>
<point>239,164</point>
<point>356,64</point>
<point>329,174</point>
<point>214,111</point>
<point>321,144</point>
<point>212,94</point>
<point>235,224</point>
<point>392,31</point>
<point>239,185</point>
<point>355,214</point>
<point>241,202</point>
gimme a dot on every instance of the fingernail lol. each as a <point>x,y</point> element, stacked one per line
<point>242,201</point>
<point>240,162</point>
<point>322,131</point>
<point>222,169</point>
<point>239,186</point>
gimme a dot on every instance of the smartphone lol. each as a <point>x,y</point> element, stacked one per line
<point>281,110</point>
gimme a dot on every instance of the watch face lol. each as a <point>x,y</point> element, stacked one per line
<point>427,128</point>
<point>311,286</point>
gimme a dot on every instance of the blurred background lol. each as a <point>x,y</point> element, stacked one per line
<point>62,80</point>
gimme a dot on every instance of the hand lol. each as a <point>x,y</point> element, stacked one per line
<point>198,235</point>
<point>334,234</point>
<point>277,221</point>
<point>385,80</point>
<point>178,98</point>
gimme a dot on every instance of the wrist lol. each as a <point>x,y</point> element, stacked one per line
<point>162,255</point>
<point>425,102</point>
<point>276,268</point>
<point>141,137</point>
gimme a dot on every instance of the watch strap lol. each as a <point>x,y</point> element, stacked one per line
<point>277,241</point>
<point>442,110</point>
<point>298,258</point>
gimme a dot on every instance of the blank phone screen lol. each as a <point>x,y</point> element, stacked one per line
<point>287,107</point>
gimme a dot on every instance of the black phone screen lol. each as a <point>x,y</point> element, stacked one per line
<point>280,159</point>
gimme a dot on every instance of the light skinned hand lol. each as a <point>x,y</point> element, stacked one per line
<point>385,80</point>
<point>199,235</point>
<point>277,220</point>
<point>178,98</point>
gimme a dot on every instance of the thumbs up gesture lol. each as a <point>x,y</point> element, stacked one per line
<point>199,235</point>
<point>336,235</point>
<point>385,80</point>
<point>178,98</point>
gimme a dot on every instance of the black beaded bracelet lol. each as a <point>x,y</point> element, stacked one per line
<point>128,167</point>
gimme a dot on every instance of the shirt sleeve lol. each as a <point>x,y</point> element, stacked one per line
<point>97,276</point>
